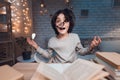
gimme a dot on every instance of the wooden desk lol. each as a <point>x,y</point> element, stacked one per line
<point>27,69</point>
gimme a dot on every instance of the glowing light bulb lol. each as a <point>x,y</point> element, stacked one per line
<point>33,35</point>
<point>41,5</point>
<point>13,31</point>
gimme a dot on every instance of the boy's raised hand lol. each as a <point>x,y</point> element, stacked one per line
<point>95,42</point>
<point>32,43</point>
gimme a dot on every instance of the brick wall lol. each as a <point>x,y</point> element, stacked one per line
<point>103,19</point>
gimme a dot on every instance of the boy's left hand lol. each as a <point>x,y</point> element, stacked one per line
<point>95,42</point>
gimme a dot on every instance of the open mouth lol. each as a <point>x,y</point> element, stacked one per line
<point>61,28</point>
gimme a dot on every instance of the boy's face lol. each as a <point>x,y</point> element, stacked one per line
<point>62,24</point>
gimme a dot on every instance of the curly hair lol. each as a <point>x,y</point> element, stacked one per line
<point>69,17</point>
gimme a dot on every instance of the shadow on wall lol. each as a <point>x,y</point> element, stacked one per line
<point>110,46</point>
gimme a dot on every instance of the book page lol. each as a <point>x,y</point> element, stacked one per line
<point>82,70</point>
<point>49,72</point>
<point>37,76</point>
<point>59,67</point>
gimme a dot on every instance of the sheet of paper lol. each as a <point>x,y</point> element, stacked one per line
<point>49,72</point>
<point>59,67</point>
<point>83,70</point>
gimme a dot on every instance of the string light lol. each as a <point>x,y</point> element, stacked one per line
<point>43,9</point>
<point>21,18</point>
<point>67,2</point>
<point>41,5</point>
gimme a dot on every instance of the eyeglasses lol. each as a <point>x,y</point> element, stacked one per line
<point>61,23</point>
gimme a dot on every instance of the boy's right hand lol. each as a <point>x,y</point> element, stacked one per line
<point>32,42</point>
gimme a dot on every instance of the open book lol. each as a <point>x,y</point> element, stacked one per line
<point>78,70</point>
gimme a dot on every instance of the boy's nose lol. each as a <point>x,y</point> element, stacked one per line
<point>61,24</point>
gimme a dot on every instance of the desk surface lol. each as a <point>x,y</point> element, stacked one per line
<point>20,59</point>
<point>28,70</point>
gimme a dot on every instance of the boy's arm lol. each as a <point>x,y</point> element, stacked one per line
<point>80,49</point>
<point>46,53</point>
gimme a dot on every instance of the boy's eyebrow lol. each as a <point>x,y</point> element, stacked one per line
<point>57,18</point>
<point>60,19</point>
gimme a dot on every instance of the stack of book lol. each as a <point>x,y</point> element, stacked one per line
<point>111,61</point>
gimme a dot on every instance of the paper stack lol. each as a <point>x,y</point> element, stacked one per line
<point>111,61</point>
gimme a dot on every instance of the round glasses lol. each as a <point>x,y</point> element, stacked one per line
<point>61,23</point>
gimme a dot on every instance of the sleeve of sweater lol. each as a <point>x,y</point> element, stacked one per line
<point>46,53</point>
<point>79,48</point>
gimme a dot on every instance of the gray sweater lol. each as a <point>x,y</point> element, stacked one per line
<point>63,50</point>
